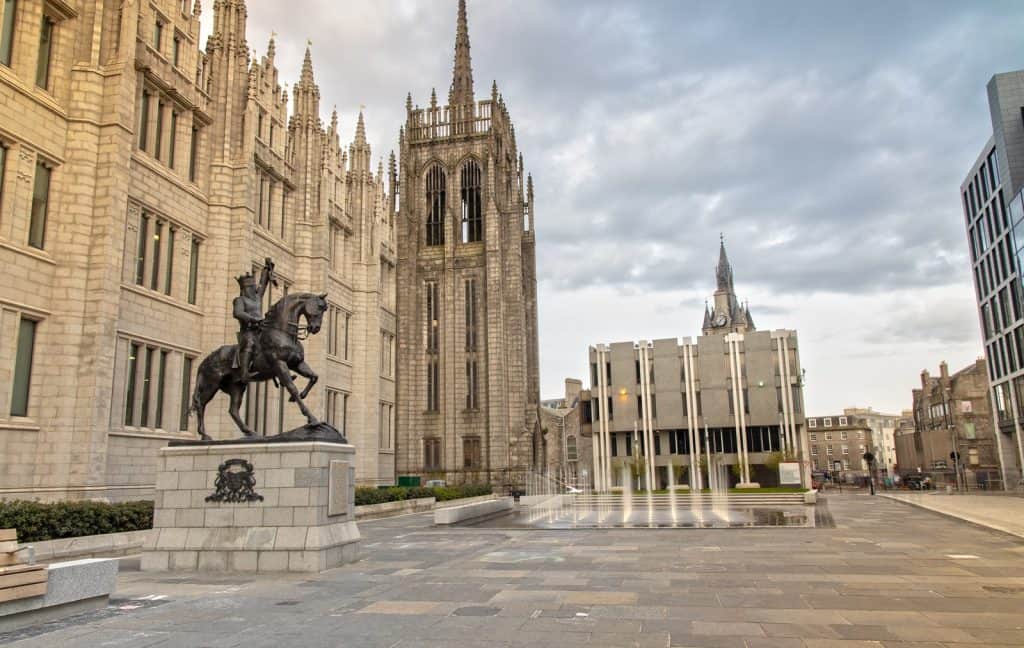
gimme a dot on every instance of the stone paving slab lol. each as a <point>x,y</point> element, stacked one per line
<point>888,576</point>
<point>1000,512</point>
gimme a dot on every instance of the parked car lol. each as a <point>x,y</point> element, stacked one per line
<point>914,482</point>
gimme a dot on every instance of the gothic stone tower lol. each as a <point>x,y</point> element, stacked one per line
<point>728,315</point>
<point>468,379</point>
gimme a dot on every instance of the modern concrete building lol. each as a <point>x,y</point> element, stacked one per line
<point>952,412</point>
<point>468,377</point>
<point>842,438</point>
<point>733,396</point>
<point>883,436</point>
<point>139,175</point>
<point>994,218</point>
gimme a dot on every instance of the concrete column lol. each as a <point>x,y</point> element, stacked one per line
<point>646,418</point>
<point>737,338</point>
<point>735,405</point>
<point>696,480</point>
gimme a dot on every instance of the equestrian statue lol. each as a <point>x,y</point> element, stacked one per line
<point>269,348</point>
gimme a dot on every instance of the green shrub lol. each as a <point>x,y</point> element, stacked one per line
<point>36,521</point>
<point>369,495</point>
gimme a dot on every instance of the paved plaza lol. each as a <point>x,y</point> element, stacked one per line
<point>1002,512</point>
<point>887,574</point>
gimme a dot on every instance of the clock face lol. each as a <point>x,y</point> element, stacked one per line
<point>720,320</point>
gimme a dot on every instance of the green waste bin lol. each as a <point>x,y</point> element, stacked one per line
<point>409,481</point>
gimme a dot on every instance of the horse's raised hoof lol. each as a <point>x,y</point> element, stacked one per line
<point>203,436</point>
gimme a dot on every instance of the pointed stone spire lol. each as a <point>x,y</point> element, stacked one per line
<point>271,47</point>
<point>360,131</point>
<point>433,98</point>
<point>197,9</point>
<point>334,120</point>
<point>306,78</point>
<point>723,273</point>
<point>408,103</point>
<point>462,76</point>
<point>494,91</point>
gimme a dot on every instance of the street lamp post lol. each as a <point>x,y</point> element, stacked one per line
<point>870,459</point>
<point>955,453</point>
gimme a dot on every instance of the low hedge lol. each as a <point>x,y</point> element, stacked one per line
<point>37,521</point>
<point>369,495</point>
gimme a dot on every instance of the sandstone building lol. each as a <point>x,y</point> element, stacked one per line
<point>564,450</point>
<point>139,174</point>
<point>734,393</point>
<point>468,379</point>
<point>993,205</point>
<point>952,412</point>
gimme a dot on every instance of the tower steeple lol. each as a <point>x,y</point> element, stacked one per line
<point>461,92</point>
<point>723,273</point>
<point>728,314</point>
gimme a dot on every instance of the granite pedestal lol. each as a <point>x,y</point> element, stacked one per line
<point>247,506</point>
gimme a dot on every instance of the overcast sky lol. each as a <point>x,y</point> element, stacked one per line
<point>827,141</point>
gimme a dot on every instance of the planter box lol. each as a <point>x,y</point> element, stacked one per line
<point>389,509</point>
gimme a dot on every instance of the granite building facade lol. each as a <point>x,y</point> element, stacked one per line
<point>842,438</point>
<point>993,205</point>
<point>953,412</point>
<point>139,174</point>
<point>733,395</point>
<point>468,377</point>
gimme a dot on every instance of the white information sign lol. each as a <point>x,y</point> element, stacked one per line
<point>789,473</point>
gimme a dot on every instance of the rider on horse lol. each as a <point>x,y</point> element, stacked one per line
<point>248,310</point>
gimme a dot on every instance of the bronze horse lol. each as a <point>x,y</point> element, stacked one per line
<point>277,355</point>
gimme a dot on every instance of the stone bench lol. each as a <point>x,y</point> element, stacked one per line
<point>455,514</point>
<point>72,587</point>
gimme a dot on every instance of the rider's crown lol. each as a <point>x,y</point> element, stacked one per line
<point>247,280</point>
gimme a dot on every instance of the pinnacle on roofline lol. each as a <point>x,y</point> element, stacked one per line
<point>462,73</point>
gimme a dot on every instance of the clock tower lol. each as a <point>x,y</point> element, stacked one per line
<point>728,315</point>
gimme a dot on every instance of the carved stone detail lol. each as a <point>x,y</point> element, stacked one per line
<point>235,483</point>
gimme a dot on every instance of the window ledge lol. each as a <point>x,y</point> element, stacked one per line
<point>35,253</point>
<point>20,424</point>
<point>161,297</point>
<point>151,433</point>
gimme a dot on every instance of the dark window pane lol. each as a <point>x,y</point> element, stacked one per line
<point>23,367</point>
<point>7,31</point>
<point>40,206</point>
<point>45,51</point>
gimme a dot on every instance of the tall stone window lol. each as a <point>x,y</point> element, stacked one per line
<point>386,435</point>
<point>471,385</point>
<point>144,120</point>
<point>338,321</point>
<point>145,388</point>
<point>40,205</point>
<point>432,454</point>
<point>3,173</point>
<point>433,313</point>
<point>23,366</point>
<point>435,205</point>
<point>158,33</point>
<point>7,31</point>
<point>186,392</point>
<point>571,453</point>
<point>387,354</point>
<point>471,456</point>
<point>472,204</point>
<point>193,271</point>
<point>193,155</point>
<point>154,253</point>
<point>336,409</point>
<point>471,315</point>
<point>46,33</point>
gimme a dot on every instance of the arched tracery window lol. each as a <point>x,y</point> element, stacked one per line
<point>435,205</point>
<point>472,204</point>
